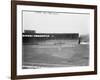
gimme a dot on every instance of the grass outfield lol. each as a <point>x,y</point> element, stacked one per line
<point>55,56</point>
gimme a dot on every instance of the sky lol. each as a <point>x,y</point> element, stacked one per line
<point>51,22</point>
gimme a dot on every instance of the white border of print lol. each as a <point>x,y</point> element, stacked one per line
<point>21,71</point>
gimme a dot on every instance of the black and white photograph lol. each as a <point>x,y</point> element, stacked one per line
<point>53,39</point>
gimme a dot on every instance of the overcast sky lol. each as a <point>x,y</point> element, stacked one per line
<point>46,22</point>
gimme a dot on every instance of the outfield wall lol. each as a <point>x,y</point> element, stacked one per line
<point>50,39</point>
